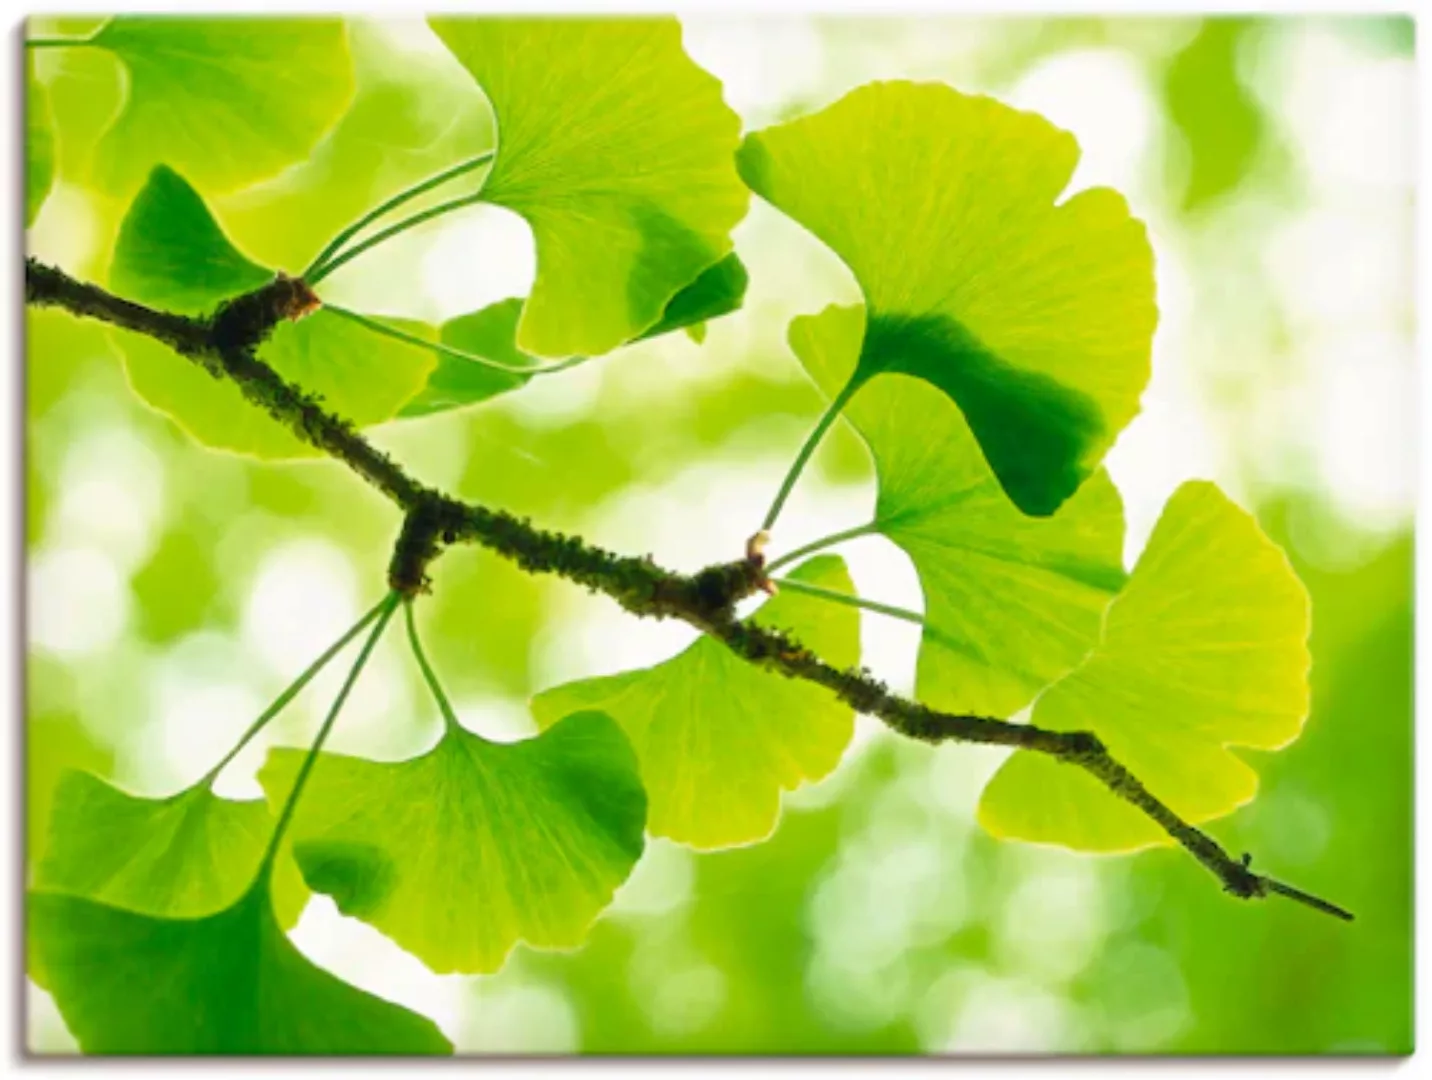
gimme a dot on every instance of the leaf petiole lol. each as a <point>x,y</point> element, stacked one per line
<point>314,276</point>
<point>56,43</point>
<point>292,691</point>
<point>384,612</point>
<point>429,675</point>
<point>812,441</point>
<point>383,208</point>
<point>447,350</point>
<point>850,601</point>
<point>820,545</point>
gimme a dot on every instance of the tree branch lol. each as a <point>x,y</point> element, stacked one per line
<point>225,345</point>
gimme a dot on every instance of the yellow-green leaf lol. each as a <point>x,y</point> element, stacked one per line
<point>1206,648</point>
<point>1011,602</point>
<point>189,854</point>
<point>617,150</point>
<point>226,101</point>
<point>1035,316</point>
<point>719,738</point>
<point>462,852</point>
<point>39,143</point>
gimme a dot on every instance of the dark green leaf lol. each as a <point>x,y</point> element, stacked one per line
<point>228,983</point>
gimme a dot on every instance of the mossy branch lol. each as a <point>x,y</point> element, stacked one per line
<point>225,344</point>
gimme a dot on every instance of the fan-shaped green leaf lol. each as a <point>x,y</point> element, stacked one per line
<point>227,101</point>
<point>1011,602</point>
<point>718,738</point>
<point>462,852</point>
<point>1036,318</point>
<point>492,333</point>
<point>228,983</point>
<point>39,143</point>
<point>1206,647</point>
<point>187,855</point>
<point>172,254</point>
<point>617,150</point>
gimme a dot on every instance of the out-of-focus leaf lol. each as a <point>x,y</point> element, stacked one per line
<point>407,122</point>
<point>227,101</point>
<point>39,143</point>
<point>1220,119</point>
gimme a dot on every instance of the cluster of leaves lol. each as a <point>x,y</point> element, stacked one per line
<point>1003,343</point>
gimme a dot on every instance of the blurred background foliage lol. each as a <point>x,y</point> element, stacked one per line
<point>173,590</point>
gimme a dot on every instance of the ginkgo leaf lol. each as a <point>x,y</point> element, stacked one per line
<point>227,983</point>
<point>1012,602</point>
<point>617,150</point>
<point>1205,648</point>
<point>39,143</point>
<point>719,738</point>
<point>188,855</point>
<point>462,852</point>
<point>172,254</point>
<point>227,101</point>
<point>492,333</point>
<point>1036,318</point>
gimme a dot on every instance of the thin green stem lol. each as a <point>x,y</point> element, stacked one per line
<point>317,275</point>
<point>447,350</point>
<point>293,691</point>
<point>406,195</point>
<point>850,601</point>
<point>807,450</point>
<point>385,612</point>
<point>820,545</point>
<point>429,675</point>
<point>57,43</point>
